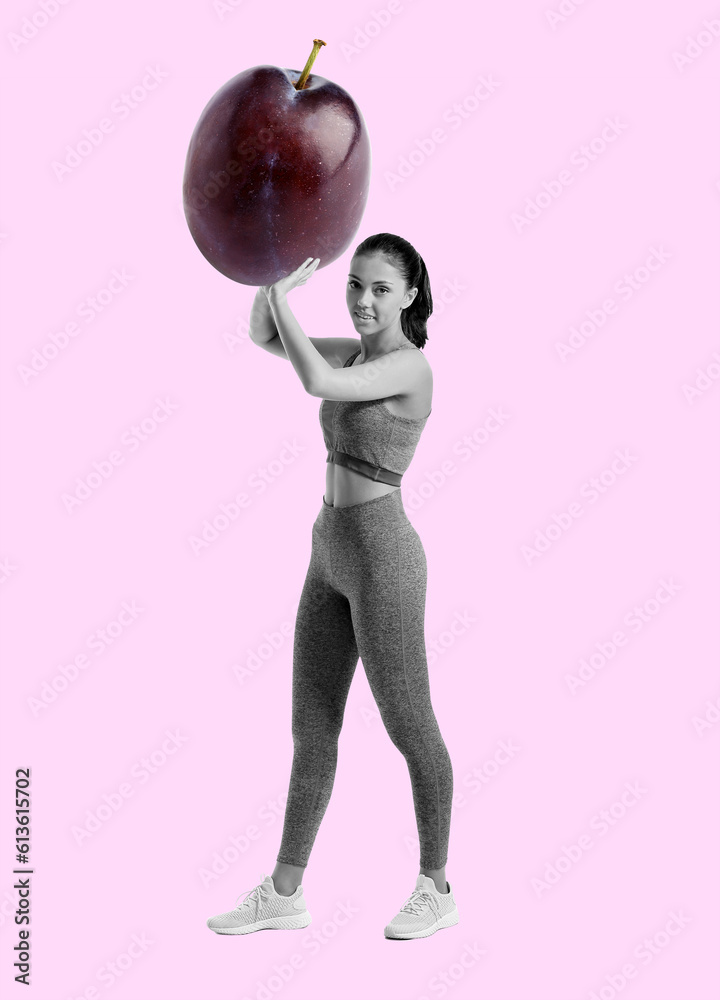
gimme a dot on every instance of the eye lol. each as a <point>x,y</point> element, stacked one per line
<point>353,282</point>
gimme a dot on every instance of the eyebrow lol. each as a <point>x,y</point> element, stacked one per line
<point>380,282</point>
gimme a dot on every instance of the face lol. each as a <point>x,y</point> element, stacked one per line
<point>376,290</point>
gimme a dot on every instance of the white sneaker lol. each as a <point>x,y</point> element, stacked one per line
<point>263,908</point>
<point>425,912</point>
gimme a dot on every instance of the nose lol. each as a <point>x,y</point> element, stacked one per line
<point>364,301</point>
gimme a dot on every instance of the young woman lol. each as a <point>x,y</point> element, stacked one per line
<point>364,593</point>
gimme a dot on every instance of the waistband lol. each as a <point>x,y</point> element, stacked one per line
<point>365,468</point>
<point>384,511</point>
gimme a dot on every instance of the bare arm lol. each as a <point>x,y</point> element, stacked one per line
<point>317,361</point>
<point>300,350</point>
<point>394,374</point>
<point>398,373</point>
<point>264,333</point>
<point>262,324</point>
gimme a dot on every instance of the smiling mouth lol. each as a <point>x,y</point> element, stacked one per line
<point>363,315</point>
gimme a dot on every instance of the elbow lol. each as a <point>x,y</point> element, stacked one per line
<point>315,384</point>
<point>322,383</point>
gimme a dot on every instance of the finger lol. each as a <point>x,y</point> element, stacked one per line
<point>307,266</point>
<point>310,271</point>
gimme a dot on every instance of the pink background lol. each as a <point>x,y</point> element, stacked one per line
<point>630,585</point>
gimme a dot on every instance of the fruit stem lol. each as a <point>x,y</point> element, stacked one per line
<point>317,42</point>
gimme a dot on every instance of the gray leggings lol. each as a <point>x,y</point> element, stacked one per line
<point>364,595</point>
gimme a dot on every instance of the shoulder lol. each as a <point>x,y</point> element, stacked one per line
<point>422,355</point>
<point>418,359</point>
<point>424,374</point>
<point>412,363</point>
<point>408,357</point>
<point>335,350</point>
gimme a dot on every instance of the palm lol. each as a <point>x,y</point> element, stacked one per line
<point>294,280</point>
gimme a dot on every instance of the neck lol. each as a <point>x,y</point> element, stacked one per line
<point>370,348</point>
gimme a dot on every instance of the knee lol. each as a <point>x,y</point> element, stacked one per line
<point>414,735</point>
<point>310,733</point>
<point>404,735</point>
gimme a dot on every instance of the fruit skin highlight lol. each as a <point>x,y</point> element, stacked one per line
<point>274,175</point>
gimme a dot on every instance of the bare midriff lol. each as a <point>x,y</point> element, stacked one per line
<point>344,486</point>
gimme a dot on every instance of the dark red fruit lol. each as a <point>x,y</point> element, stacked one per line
<point>275,175</point>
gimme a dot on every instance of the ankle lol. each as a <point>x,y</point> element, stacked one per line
<point>287,877</point>
<point>284,889</point>
<point>441,884</point>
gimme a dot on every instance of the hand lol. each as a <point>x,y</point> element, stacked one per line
<point>294,280</point>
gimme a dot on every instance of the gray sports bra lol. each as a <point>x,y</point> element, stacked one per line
<point>365,436</point>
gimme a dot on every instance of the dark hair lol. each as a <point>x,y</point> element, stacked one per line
<point>411,266</point>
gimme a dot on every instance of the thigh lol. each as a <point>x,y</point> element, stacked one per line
<point>388,609</point>
<point>325,654</point>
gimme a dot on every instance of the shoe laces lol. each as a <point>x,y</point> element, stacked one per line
<point>418,900</point>
<point>257,895</point>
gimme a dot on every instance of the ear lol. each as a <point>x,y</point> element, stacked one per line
<point>410,296</point>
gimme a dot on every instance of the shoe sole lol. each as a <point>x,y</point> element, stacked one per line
<point>449,920</point>
<point>270,923</point>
